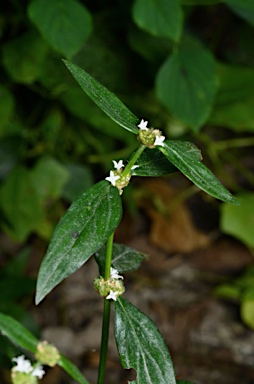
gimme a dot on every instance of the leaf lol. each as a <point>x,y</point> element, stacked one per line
<point>244,8</point>
<point>200,2</point>
<point>106,100</point>
<point>187,82</point>
<point>83,229</point>
<point>247,312</point>
<point>72,370</point>
<point>153,163</point>
<point>18,334</point>
<point>161,18</point>
<point>239,222</point>
<point>7,104</point>
<point>65,24</point>
<point>20,203</point>
<point>49,177</point>
<point>23,57</point>
<point>140,346</point>
<point>80,179</point>
<point>234,101</point>
<point>184,156</point>
<point>124,258</point>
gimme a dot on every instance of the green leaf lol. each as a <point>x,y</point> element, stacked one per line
<point>20,203</point>
<point>239,221</point>
<point>23,57</point>
<point>228,291</point>
<point>124,258</point>
<point>200,2</point>
<point>65,24</point>
<point>18,334</point>
<point>247,312</point>
<point>244,8</point>
<point>234,102</point>
<point>106,100</point>
<point>80,179</point>
<point>7,103</point>
<point>161,18</point>
<point>140,345</point>
<point>84,228</point>
<point>72,370</point>
<point>187,82</point>
<point>49,177</point>
<point>184,156</point>
<point>153,163</point>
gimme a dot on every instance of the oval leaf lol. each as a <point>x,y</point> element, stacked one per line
<point>124,258</point>
<point>64,24</point>
<point>153,163</point>
<point>184,156</point>
<point>84,228</point>
<point>140,345</point>
<point>161,18</point>
<point>18,334</point>
<point>186,84</point>
<point>106,100</point>
<point>72,370</point>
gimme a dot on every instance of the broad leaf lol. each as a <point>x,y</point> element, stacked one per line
<point>72,370</point>
<point>140,346</point>
<point>153,163</point>
<point>124,258</point>
<point>106,100</point>
<point>65,24</point>
<point>239,222</point>
<point>244,8</point>
<point>24,57</point>
<point>20,203</point>
<point>161,18</point>
<point>187,82</point>
<point>84,228</point>
<point>184,156</point>
<point>17,333</point>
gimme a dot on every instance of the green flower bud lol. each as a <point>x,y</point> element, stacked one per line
<point>47,353</point>
<point>22,378</point>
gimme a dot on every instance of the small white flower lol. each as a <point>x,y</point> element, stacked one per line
<point>112,295</point>
<point>23,365</point>
<point>112,178</point>
<point>38,371</point>
<point>114,274</point>
<point>159,140</point>
<point>134,167</point>
<point>143,125</point>
<point>118,165</point>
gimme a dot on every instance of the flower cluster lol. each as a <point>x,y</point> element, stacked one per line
<point>111,288</point>
<point>149,136</point>
<point>24,372</point>
<point>116,178</point>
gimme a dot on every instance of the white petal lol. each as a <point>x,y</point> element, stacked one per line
<point>112,295</point>
<point>112,178</point>
<point>159,140</point>
<point>134,167</point>
<point>38,371</point>
<point>118,165</point>
<point>143,125</point>
<point>23,365</point>
<point>114,274</point>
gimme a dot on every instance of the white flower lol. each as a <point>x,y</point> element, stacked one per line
<point>114,274</point>
<point>112,295</point>
<point>118,165</point>
<point>159,140</point>
<point>112,178</point>
<point>38,371</point>
<point>143,125</point>
<point>134,167</point>
<point>23,365</point>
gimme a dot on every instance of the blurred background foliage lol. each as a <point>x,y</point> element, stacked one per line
<point>187,66</point>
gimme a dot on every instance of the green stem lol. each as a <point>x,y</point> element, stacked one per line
<point>133,159</point>
<point>106,315</point>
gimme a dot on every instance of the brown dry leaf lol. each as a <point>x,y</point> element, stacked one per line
<point>172,228</point>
